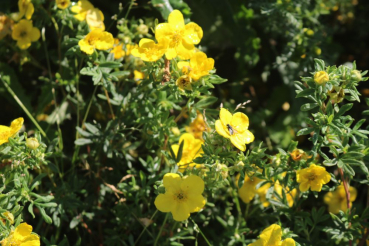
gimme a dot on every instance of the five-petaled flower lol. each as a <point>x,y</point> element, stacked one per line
<point>272,236</point>
<point>24,33</point>
<point>191,149</point>
<point>22,236</point>
<point>312,177</point>
<point>337,200</point>
<point>198,126</point>
<point>95,19</point>
<point>7,132</point>
<point>26,9</point>
<point>234,127</point>
<point>149,51</point>
<point>248,189</point>
<point>199,66</point>
<point>182,196</point>
<point>182,38</point>
<point>96,39</point>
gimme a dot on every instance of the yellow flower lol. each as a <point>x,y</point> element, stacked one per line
<point>7,132</point>
<point>5,25</point>
<point>271,236</point>
<point>24,33</point>
<point>184,83</point>
<point>321,77</point>
<point>234,127</point>
<point>81,9</point>
<point>191,150</point>
<point>199,66</point>
<point>337,201</point>
<point>182,38</point>
<point>138,76</point>
<point>96,39</point>
<point>290,195</point>
<point>182,196</point>
<point>262,192</point>
<point>22,237</point>
<point>118,49</point>
<point>26,8</point>
<point>149,51</point>
<point>312,177</point>
<point>129,48</point>
<point>9,216</point>
<point>95,19</point>
<point>197,127</point>
<point>62,4</point>
<point>248,189</point>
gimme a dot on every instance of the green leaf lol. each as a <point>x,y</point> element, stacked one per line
<point>305,93</point>
<point>110,64</point>
<point>305,131</point>
<point>215,79</point>
<point>180,150</point>
<point>30,210</point>
<point>308,106</point>
<point>44,215</point>
<point>83,141</point>
<point>344,109</point>
<point>319,65</point>
<point>205,102</point>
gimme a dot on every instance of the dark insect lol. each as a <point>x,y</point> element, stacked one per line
<point>230,129</point>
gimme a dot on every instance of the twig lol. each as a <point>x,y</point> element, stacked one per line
<point>166,75</point>
<point>161,229</point>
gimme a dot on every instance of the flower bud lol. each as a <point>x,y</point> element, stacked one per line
<point>32,143</point>
<point>239,166</point>
<point>321,77</point>
<point>296,154</point>
<point>356,75</point>
<point>318,51</point>
<point>175,131</point>
<point>223,169</point>
<point>142,29</point>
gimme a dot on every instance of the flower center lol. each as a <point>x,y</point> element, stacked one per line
<point>180,196</point>
<point>176,39</point>
<point>311,176</point>
<point>22,34</point>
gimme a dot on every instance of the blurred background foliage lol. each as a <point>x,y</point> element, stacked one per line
<point>260,46</point>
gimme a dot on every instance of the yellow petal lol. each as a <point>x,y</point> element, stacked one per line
<point>86,47</point>
<point>164,202</point>
<point>288,242</point>
<point>35,34</point>
<point>163,30</point>
<point>238,141</point>
<point>5,133</point>
<point>31,240</point>
<point>247,192</point>
<point>353,193</point>
<point>221,130</point>
<point>225,117</point>
<point>184,66</point>
<point>175,148</point>
<point>29,11</point>
<point>257,243</point>
<point>22,231</point>
<point>172,181</point>
<point>24,43</point>
<point>175,19</point>
<point>180,211</point>
<point>16,125</point>
<point>185,52</point>
<point>316,186</point>
<point>170,53</point>
<point>193,33</point>
<point>240,122</point>
<point>271,235</point>
<point>304,186</point>
<point>193,185</point>
<point>195,203</point>
<point>105,41</point>
<point>247,136</point>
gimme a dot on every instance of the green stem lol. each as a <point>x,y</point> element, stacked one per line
<point>202,234</point>
<point>89,106</point>
<point>23,107</point>
<point>161,229</point>
<point>145,228</point>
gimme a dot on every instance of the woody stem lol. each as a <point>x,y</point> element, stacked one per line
<point>166,75</point>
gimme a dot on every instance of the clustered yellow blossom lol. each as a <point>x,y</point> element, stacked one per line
<point>24,33</point>
<point>197,127</point>
<point>86,11</point>
<point>321,77</point>
<point>234,127</point>
<point>337,200</point>
<point>96,39</point>
<point>182,196</point>
<point>118,49</point>
<point>22,236</point>
<point>199,66</point>
<point>191,150</point>
<point>272,236</point>
<point>312,177</point>
<point>6,132</point>
<point>62,4</point>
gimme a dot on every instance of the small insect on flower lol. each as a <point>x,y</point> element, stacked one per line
<point>230,129</point>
